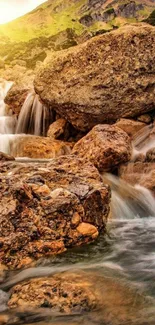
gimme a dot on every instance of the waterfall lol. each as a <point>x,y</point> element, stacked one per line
<point>7,122</point>
<point>143,141</point>
<point>129,201</point>
<point>4,88</point>
<point>34,117</point>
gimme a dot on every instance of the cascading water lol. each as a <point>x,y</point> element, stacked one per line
<point>7,121</point>
<point>142,141</point>
<point>127,253</point>
<point>31,123</point>
<point>28,123</point>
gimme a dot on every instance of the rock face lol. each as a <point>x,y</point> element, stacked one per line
<point>48,208</point>
<point>88,86</point>
<point>39,147</point>
<point>106,146</point>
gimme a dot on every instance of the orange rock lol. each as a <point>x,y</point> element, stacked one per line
<point>87,229</point>
<point>40,147</point>
<point>131,127</point>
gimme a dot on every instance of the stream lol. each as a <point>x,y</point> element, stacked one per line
<point>125,256</point>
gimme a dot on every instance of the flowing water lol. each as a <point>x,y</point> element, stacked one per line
<point>31,122</point>
<point>28,122</point>
<point>119,263</point>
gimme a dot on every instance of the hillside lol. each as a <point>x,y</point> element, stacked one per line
<point>82,16</point>
<point>60,24</point>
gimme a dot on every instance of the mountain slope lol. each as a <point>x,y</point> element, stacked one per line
<point>81,16</point>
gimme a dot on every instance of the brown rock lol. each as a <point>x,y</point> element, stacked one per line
<point>66,293</point>
<point>141,173</point>
<point>15,98</point>
<point>131,127</point>
<point>88,86</point>
<point>4,319</point>
<point>75,220</point>
<point>111,301</point>
<point>22,83</point>
<point>57,128</point>
<point>106,146</point>
<point>42,206</point>
<point>145,118</point>
<point>40,147</point>
<point>5,157</point>
<point>150,155</point>
<point>85,229</point>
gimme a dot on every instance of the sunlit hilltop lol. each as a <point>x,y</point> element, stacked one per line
<point>12,9</point>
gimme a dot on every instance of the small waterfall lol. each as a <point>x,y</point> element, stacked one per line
<point>34,117</point>
<point>128,201</point>
<point>7,123</point>
<point>142,141</point>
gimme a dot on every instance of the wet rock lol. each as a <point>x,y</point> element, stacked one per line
<point>45,207</point>
<point>131,127</point>
<point>97,299</point>
<point>150,155</point>
<point>57,128</point>
<point>85,229</point>
<point>4,319</point>
<point>15,98</point>
<point>5,157</point>
<point>139,172</point>
<point>101,86</point>
<point>145,118</point>
<point>65,293</point>
<point>22,84</point>
<point>40,147</point>
<point>106,146</point>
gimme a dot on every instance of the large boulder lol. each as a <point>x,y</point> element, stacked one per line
<point>106,146</point>
<point>108,77</point>
<point>47,208</point>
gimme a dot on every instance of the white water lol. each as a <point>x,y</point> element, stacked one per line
<point>129,250</point>
<point>143,141</point>
<point>7,122</point>
<point>32,118</point>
